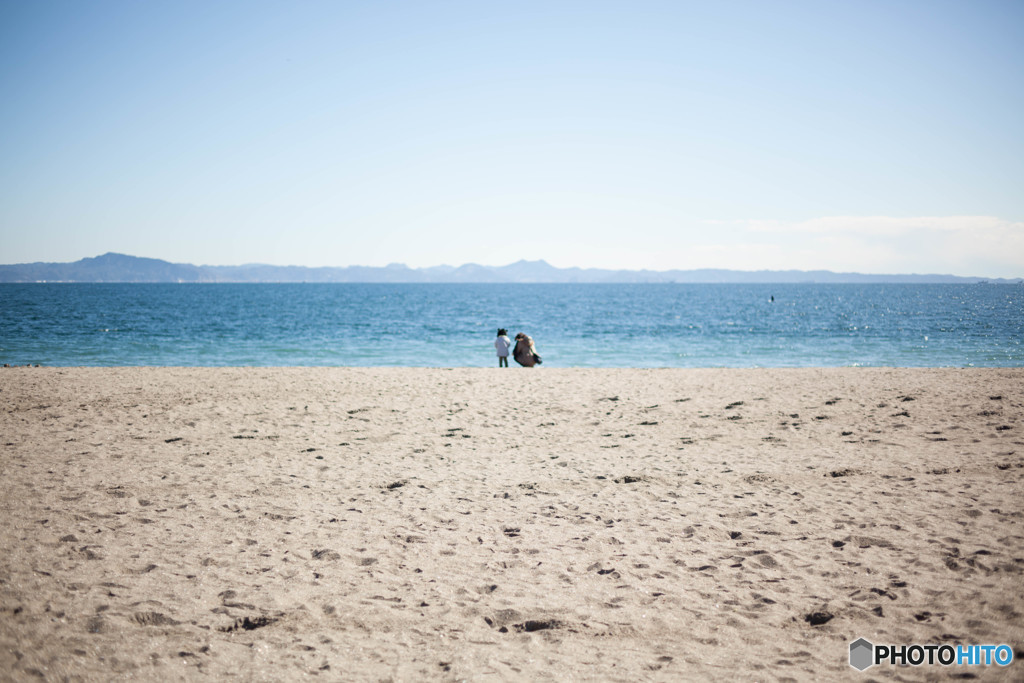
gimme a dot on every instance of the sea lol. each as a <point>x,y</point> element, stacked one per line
<point>454,325</point>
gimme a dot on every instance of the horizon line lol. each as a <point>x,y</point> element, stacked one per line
<point>540,261</point>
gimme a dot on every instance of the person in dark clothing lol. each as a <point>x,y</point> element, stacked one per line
<point>524,352</point>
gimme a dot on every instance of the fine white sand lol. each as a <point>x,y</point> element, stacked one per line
<point>486,524</point>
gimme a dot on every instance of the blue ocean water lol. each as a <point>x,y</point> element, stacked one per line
<point>587,325</point>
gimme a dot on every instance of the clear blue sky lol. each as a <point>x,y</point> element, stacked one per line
<point>881,137</point>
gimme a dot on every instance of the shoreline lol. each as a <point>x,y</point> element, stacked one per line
<point>541,368</point>
<point>440,523</point>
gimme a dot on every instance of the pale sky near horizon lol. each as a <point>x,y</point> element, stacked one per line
<point>880,137</point>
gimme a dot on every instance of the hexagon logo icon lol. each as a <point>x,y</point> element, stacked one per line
<point>862,654</point>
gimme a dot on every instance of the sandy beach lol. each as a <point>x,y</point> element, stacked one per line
<point>486,524</point>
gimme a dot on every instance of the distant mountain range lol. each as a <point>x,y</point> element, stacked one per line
<point>113,267</point>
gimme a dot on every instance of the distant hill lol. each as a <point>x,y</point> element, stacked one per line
<point>121,268</point>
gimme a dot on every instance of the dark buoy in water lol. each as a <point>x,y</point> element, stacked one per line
<point>773,298</point>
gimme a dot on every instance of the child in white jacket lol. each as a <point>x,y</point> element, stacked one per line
<point>502,344</point>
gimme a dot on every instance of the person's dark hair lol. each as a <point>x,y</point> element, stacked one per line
<point>501,331</point>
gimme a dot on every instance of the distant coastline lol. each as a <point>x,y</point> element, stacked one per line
<point>112,267</point>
